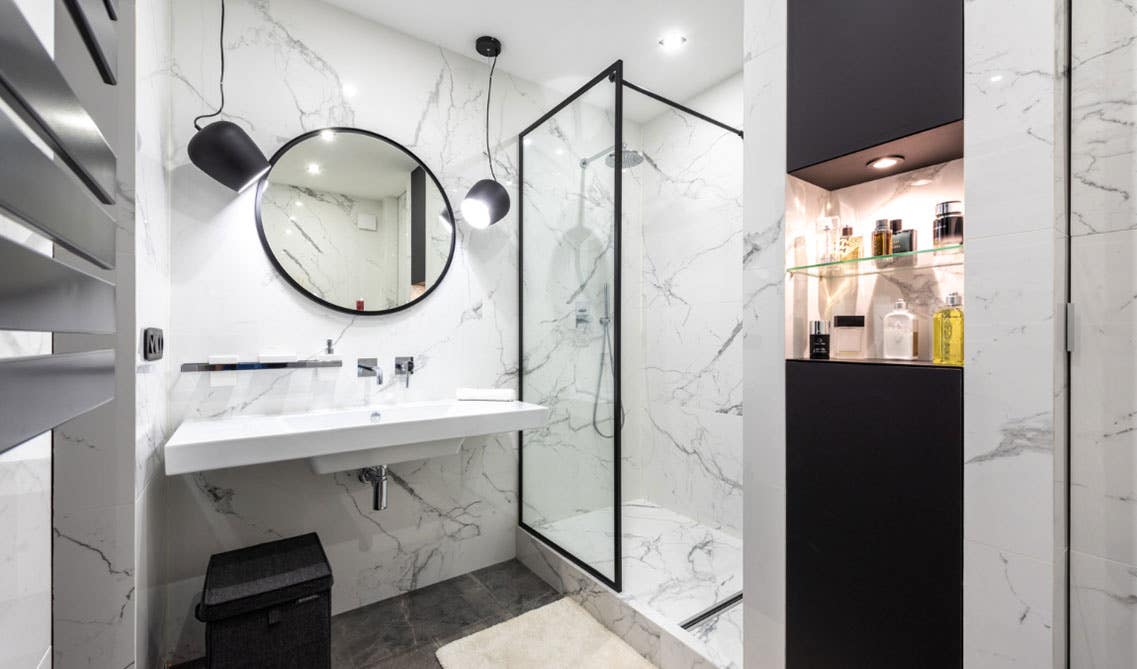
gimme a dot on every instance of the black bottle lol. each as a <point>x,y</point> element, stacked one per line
<point>818,340</point>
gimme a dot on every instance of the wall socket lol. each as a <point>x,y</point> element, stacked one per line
<point>153,344</point>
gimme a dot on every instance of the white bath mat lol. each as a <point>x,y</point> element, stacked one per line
<point>561,634</point>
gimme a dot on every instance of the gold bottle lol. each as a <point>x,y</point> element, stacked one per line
<point>947,333</point>
<point>849,246</point>
<point>882,238</point>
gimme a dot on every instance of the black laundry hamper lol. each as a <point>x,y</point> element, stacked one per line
<point>269,606</point>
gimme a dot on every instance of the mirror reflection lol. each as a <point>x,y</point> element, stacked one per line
<point>355,221</point>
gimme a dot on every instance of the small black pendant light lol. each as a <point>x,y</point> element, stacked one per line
<point>222,149</point>
<point>488,201</point>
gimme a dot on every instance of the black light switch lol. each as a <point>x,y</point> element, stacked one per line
<point>153,344</point>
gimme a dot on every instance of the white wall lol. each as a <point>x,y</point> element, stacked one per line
<point>288,62</point>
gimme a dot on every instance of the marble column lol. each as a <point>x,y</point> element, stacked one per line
<point>1103,373</point>
<point>764,463</point>
<point>1014,167</point>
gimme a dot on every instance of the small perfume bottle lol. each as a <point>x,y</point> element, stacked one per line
<point>826,239</point>
<point>849,337</point>
<point>849,246</point>
<point>882,238</point>
<point>948,226</point>
<point>947,333</point>
<point>900,335</point>
<point>818,340</point>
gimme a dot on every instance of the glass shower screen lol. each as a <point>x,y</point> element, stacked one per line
<point>570,187</point>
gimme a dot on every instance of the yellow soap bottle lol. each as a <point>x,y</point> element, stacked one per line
<point>947,333</point>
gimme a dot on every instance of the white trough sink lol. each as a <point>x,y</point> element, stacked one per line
<point>343,439</point>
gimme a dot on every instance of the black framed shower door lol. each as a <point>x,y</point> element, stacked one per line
<point>569,216</point>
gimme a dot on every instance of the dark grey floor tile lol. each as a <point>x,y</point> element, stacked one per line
<point>529,605</point>
<point>513,585</point>
<point>374,632</point>
<point>420,658</point>
<point>444,609</point>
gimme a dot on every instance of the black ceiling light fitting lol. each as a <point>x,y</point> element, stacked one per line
<point>222,149</point>
<point>488,201</point>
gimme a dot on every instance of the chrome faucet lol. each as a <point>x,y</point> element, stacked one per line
<point>369,367</point>
<point>404,367</point>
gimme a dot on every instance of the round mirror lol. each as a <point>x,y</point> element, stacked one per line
<point>355,221</point>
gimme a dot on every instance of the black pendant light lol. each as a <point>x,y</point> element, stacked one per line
<point>222,149</point>
<point>488,201</point>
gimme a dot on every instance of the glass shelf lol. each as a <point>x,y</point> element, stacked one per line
<point>944,256</point>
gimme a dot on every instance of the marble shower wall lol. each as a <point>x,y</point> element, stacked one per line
<point>295,66</point>
<point>686,454</point>
<point>569,291</point>
<point>1103,374</point>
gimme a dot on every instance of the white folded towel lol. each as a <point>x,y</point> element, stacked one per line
<point>487,394</point>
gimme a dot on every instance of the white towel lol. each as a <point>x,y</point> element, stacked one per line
<point>487,394</point>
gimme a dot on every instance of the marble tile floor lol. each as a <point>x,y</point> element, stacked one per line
<point>672,564</point>
<point>404,632</point>
<point>719,638</point>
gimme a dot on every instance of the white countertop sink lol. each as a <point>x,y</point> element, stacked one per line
<point>342,439</point>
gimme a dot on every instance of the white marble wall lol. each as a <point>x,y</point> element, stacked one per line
<point>1103,374</point>
<point>687,451</point>
<point>293,66</point>
<point>152,228</point>
<point>763,281</point>
<point>1014,166</point>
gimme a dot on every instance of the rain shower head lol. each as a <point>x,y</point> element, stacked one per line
<point>631,158</point>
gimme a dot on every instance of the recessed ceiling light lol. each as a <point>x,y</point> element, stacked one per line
<point>885,162</point>
<point>327,134</point>
<point>921,182</point>
<point>672,41</point>
<point>349,90</point>
<point>299,203</point>
<point>313,168</point>
<point>996,78</point>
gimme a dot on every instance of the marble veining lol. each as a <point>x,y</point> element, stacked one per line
<point>721,637</point>
<point>672,565</point>
<point>448,515</point>
<point>1103,393</point>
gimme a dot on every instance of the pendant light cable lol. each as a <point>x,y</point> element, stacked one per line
<point>221,81</point>
<point>489,94</point>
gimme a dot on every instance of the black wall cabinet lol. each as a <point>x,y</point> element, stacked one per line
<point>874,514</point>
<point>865,72</point>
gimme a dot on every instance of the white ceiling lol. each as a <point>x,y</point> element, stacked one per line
<point>563,43</point>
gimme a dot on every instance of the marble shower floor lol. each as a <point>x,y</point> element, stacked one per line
<point>672,564</point>
<point>720,637</point>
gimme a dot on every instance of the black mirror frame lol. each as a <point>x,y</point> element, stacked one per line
<point>263,183</point>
